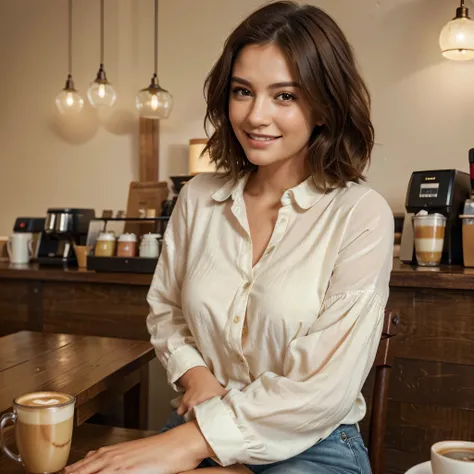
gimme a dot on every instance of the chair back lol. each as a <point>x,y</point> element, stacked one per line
<point>382,365</point>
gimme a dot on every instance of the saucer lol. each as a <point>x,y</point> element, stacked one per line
<point>423,468</point>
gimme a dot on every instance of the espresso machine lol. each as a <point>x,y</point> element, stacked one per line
<point>443,192</point>
<point>63,228</point>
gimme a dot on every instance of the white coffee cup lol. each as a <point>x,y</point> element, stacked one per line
<point>442,464</point>
<point>20,247</point>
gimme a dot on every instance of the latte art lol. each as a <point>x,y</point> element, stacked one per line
<point>46,401</point>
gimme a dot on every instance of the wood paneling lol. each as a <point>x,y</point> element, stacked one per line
<point>149,149</point>
<point>95,309</point>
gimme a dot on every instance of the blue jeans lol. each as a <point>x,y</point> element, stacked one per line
<point>342,452</point>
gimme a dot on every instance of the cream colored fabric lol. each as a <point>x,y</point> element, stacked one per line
<point>293,338</point>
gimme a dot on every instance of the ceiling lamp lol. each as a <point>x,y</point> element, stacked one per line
<point>69,101</point>
<point>101,92</point>
<point>457,37</point>
<point>154,102</point>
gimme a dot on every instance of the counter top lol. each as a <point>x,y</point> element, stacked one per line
<point>407,276</point>
<point>54,273</point>
<point>448,277</point>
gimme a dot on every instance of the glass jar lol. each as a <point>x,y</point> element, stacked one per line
<point>127,245</point>
<point>149,247</point>
<point>105,245</point>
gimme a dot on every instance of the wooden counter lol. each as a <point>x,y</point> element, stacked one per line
<point>433,375</point>
<point>407,276</point>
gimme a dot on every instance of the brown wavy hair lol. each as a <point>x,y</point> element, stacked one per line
<point>324,63</point>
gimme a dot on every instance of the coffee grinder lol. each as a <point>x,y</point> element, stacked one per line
<point>441,191</point>
<point>64,228</point>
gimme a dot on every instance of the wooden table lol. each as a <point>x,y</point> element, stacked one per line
<point>85,438</point>
<point>99,371</point>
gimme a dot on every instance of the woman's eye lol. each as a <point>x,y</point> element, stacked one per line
<point>241,92</point>
<point>286,97</point>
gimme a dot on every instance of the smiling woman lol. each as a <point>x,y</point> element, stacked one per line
<point>268,300</point>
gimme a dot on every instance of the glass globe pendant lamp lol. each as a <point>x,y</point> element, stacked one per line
<point>154,102</point>
<point>69,101</point>
<point>457,37</point>
<point>101,92</point>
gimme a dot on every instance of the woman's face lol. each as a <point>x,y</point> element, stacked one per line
<point>268,113</point>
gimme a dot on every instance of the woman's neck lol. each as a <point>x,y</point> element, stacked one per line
<point>273,180</point>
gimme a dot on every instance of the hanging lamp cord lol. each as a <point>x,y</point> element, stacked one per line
<point>156,38</point>
<point>101,33</point>
<point>70,39</point>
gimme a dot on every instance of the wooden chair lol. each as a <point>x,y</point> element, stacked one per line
<point>382,364</point>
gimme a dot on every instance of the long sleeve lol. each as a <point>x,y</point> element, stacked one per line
<point>170,335</point>
<point>278,416</point>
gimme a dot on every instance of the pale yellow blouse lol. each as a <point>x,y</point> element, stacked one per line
<point>293,338</point>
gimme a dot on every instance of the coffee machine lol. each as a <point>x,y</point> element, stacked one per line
<point>441,191</point>
<point>64,228</point>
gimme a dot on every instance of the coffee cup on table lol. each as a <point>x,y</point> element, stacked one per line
<point>43,428</point>
<point>429,238</point>
<point>452,457</point>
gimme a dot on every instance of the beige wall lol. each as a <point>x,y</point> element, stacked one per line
<point>423,104</point>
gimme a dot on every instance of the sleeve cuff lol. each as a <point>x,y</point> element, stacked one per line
<point>180,361</point>
<point>219,428</point>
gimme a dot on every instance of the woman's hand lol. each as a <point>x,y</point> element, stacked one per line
<point>200,385</point>
<point>178,450</point>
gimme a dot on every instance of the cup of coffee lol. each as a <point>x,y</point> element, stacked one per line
<point>43,428</point>
<point>452,457</point>
<point>429,238</point>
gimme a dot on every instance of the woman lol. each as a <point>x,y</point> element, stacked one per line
<point>268,299</point>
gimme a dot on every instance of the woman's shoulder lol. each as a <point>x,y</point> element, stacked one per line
<point>203,185</point>
<point>365,205</point>
<point>356,195</point>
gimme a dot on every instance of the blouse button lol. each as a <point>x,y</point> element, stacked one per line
<point>236,319</point>
<point>271,249</point>
<point>247,286</point>
<point>283,220</point>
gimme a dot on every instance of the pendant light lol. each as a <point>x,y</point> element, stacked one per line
<point>69,101</point>
<point>457,37</point>
<point>101,91</point>
<point>154,102</point>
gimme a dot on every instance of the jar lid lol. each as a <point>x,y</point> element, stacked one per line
<point>106,236</point>
<point>128,237</point>
<point>151,236</point>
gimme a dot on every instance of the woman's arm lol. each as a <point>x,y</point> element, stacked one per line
<point>178,450</point>
<point>170,334</point>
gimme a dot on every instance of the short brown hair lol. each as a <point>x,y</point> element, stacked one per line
<point>321,56</point>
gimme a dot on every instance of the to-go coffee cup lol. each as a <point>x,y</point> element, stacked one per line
<point>43,426</point>
<point>452,457</point>
<point>429,238</point>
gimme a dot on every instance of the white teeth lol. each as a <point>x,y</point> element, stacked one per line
<point>261,139</point>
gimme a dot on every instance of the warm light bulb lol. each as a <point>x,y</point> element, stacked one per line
<point>69,99</point>
<point>154,102</point>
<point>101,93</point>
<point>69,102</point>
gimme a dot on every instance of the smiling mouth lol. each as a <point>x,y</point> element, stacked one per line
<point>262,138</point>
